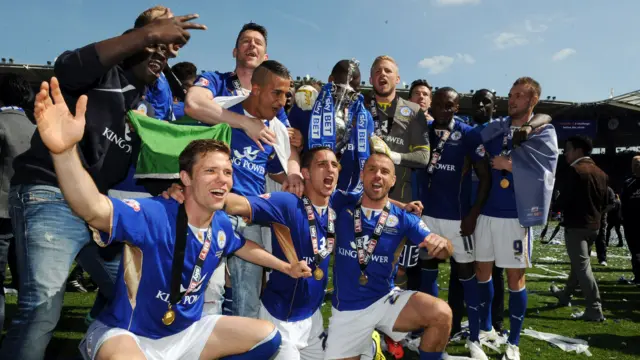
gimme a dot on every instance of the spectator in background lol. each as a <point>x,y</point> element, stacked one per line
<point>601,246</point>
<point>127,62</point>
<point>420,93</point>
<point>16,131</point>
<point>614,220</point>
<point>186,73</point>
<point>630,206</point>
<point>583,199</point>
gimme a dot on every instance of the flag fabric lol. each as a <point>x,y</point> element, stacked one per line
<point>534,168</point>
<point>162,143</point>
<point>534,175</point>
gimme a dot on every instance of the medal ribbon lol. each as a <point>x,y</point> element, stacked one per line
<point>436,154</point>
<point>177,263</point>
<point>364,255</point>
<point>319,254</point>
<point>505,147</point>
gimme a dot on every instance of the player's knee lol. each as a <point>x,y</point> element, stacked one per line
<point>466,271</point>
<point>268,345</point>
<point>483,271</point>
<point>515,279</point>
<point>441,314</point>
<point>264,328</point>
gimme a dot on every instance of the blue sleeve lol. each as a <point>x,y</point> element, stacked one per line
<point>178,110</point>
<point>473,145</point>
<point>341,199</point>
<point>299,119</point>
<point>211,81</point>
<point>272,207</point>
<point>282,116</point>
<point>160,97</point>
<point>132,222</point>
<point>273,165</point>
<point>415,229</point>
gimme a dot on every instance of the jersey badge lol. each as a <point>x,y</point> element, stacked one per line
<point>202,82</point>
<point>456,136</point>
<point>392,221</point>
<point>480,151</point>
<point>222,239</point>
<point>405,111</point>
<point>133,204</point>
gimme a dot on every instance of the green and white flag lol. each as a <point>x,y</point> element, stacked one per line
<point>162,143</point>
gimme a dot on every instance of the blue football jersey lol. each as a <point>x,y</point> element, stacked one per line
<point>221,84</point>
<point>501,202</point>
<point>448,196</point>
<point>159,95</point>
<point>381,270</point>
<point>143,283</point>
<point>250,164</point>
<point>285,298</point>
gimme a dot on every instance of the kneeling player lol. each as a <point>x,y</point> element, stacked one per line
<point>370,237</point>
<point>170,253</point>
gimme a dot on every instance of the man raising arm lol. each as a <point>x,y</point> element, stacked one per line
<point>177,244</point>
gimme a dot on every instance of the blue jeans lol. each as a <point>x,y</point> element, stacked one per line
<point>48,237</point>
<point>246,278</point>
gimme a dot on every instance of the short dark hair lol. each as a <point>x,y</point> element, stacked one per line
<point>252,27</point>
<point>484,91</point>
<point>446,89</point>
<point>419,82</point>
<point>149,15</point>
<point>184,70</point>
<point>196,149</point>
<point>581,142</point>
<point>269,67</point>
<point>16,91</point>
<point>531,83</point>
<point>309,155</point>
<point>341,70</point>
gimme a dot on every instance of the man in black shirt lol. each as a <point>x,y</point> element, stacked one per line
<point>630,204</point>
<point>114,74</point>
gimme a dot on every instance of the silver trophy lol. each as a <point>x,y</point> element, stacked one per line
<point>344,95</point>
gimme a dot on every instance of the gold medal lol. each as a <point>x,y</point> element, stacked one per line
<point>318,274</point>
<point>169,317</point>
<point>363,279</point>
<point>504,183</point>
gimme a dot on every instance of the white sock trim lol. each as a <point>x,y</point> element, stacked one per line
<point>484,282</point>
<point>517,291</point>
<point>469,279</point>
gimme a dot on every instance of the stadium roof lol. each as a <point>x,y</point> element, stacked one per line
<point>629,100</point>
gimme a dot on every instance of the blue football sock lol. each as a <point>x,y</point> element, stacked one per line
<point>485,290</point>
<point>430,355</point>
<point>472,299</point>
<point>227,305</point>
<point>517,310</point>
<point>265,349</point>
<point>429,281</point>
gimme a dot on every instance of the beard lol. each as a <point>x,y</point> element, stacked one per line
<point>375,197</point>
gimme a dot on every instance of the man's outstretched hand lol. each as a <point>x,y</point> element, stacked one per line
<point>58,128</point>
